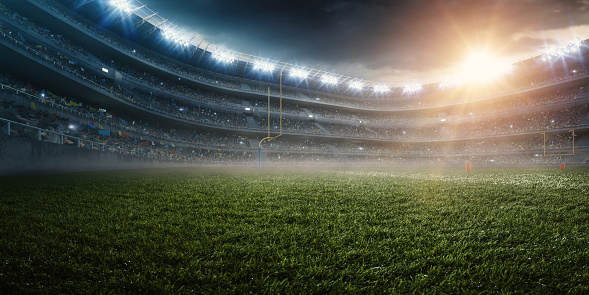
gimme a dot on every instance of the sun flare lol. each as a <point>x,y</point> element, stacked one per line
<point>482,66</point>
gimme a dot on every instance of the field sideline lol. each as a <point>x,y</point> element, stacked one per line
<point>343,230</point>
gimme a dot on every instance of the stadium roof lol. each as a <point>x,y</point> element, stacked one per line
<point>550,13</point>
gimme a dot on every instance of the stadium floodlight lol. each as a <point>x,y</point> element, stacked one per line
<point>299,73</point>
<point>410,88</point>
<point>178,38</point>
<point>356,85</point>
<point>449,82</point>
<point>223,56</point>
<point>182,41</point>
<point>574,46</point>
<point>328,79</point>
<point>570,48</point>
<point>171,34</point>
<point>122,5</point>
<point>562,50</point>
<point>264,66</point>
<point>381,88</point>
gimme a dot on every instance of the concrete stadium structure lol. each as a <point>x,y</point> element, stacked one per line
<point>183,107</point>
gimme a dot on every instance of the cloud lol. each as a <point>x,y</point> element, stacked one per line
<point>379,38</point>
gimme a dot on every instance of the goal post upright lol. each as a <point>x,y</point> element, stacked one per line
<point>573,130</point>
<point>270,138</point>
<point>560,155</point>
<point>544,143</point>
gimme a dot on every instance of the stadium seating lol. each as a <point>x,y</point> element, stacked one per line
<point>215,118</point>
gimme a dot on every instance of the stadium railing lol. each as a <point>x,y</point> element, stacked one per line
<point>61,138</point>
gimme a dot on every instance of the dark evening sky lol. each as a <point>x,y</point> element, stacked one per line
<point>390,41</point>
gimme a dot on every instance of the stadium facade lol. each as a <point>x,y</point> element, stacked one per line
<point>117,85</point>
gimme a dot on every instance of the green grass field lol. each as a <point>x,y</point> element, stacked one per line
<point>303,231</point>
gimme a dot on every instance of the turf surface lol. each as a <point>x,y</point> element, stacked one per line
<point>302,231</point>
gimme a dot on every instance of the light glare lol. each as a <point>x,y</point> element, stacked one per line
<point>121,5</point>
<point>356,85</point>
<point>480,66</point>
<point>264,66</point>
<point>381,88</point>
<point>223,56</point>
<point>411,88</point>
<point>177,37</point>
<point>327,79</point>
<point>299,73</point>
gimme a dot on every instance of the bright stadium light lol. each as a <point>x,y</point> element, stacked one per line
<point>571,48</point>
<point>264,66</point>
<point>412,88</point>
<point>299,73</point>
<point>180,40</point>
<point>381,88</point>
<point>483,66</point>
<point>121,5</point>
<point>327,79</point>
<point>223,56</point>
<point>356,85</point>
<point>183,42</point>
<point>171,34</point>
<point>449,82</point>
<point>563,50</point>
